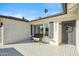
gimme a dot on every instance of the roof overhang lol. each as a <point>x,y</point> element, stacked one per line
<point>64,6</point>
<point>14,18</point>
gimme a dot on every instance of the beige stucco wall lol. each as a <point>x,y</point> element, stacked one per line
<point>71,7</point>
<point>14,31</point>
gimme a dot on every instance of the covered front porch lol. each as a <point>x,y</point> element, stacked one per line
<point>56,32</point>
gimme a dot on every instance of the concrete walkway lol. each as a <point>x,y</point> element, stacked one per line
<point>36,49</point>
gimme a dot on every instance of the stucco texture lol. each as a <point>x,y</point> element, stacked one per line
<point>14,31</point>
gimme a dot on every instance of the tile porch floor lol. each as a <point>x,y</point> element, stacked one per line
<point>34,49</point>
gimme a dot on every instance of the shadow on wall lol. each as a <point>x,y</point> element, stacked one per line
<point>9,52</point>
<point>23,41</point>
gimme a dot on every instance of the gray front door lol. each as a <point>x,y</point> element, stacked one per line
<point>68,32</point>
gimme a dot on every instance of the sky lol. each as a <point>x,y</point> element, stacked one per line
<point>29,11</point>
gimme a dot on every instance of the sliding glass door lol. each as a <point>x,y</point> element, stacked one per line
<point>38,29</point>
<point>41,29</point>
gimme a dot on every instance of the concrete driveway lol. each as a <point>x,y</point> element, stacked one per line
<point>36,49</point>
